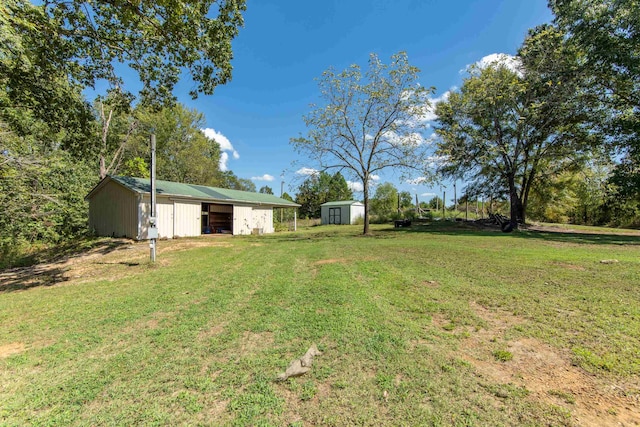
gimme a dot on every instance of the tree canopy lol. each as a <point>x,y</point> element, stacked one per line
<point>321,188</point>
<point>505,127</point>
<point>159,40</point>
<point>607,35</point>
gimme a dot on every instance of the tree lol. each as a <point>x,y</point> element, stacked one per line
<point>310,195</point>
<point>385,200</point>
<point>338,189</point>
<point>406,201</point>
<point>368,122</point>
<point>607,33</point>
<point>504,126</point>
<point>266,190</point>
<point>227,179</point>
<point>158,39</point>
<point>320,188</point>
<point>435,203</point>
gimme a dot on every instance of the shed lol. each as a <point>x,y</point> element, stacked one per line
<point>341,212</point>
<point>119,206</point>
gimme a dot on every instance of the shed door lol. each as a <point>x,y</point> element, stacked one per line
<point>165,219</point>
<point>334,216</point>
<point>242,219</point>
<point>187,219</point>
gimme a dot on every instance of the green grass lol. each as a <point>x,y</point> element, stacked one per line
<point>198,338</point>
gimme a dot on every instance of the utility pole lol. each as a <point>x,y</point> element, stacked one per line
<point>153,221</point>
<point>281,194</point>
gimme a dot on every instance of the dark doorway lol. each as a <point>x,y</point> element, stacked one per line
<point>217,218</point>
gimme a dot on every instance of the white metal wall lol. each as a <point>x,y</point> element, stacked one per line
<point>187,220</point>
<point>357,211</point>
<point>165,218</point>
<point>263,218</point>
<point>242,219</point>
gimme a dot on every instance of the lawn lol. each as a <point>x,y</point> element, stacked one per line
<point>437,324</point>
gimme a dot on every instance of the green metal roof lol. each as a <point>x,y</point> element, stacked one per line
<point>200,192</point>
<point>341,203</point>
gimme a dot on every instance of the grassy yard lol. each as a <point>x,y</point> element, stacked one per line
<point>437,324</point>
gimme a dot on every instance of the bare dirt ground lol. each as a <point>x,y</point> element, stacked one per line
<point>549,375</point>
<point>91,264</point>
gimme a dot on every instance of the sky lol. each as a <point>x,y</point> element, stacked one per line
<point>286,44</point>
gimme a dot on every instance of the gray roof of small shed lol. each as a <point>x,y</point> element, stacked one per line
<point>197,192</point>
<point>342,203</point>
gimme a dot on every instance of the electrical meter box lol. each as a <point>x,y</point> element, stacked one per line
<point>153,233</point>
<point>153,228</point>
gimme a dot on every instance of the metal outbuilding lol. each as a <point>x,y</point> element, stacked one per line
<point>119,207</point>
<point>341,212</point>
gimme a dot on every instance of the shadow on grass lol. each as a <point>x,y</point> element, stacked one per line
<point>48,266</point>
<point>470,229</point>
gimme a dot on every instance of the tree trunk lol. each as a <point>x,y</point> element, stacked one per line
<point>366,207</point>
<point>515,204</point>
<point>103,167</point>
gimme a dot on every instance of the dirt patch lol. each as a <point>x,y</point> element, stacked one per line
<point>255,342</point>
<point>547,373</point>
<point>10,349</point>
<point>561,229</point>
<point>328,261</point>
<point>213,331</point>
<point>430,284</point>
<point>570,266</point>
<point>115,258</point>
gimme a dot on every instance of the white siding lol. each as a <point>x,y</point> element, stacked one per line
<point>187,221</point>
<point>357,211</point>
<point>263,218</point>
<point>165,218</point>
<point>242,219</point>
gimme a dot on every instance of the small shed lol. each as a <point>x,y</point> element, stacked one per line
<point>119,206</point>
<point>342,212</point>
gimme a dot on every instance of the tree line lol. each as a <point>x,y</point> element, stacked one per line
<point>554,130</point>
<point>55,144</point>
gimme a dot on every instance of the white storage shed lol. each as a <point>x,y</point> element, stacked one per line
<point>120,206</point>
<point>342,212</point>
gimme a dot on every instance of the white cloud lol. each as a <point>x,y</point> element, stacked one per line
<point>418,181</point>
<point>428,195</point>
<point>375,177</point>
<point>355,186</point>
<point>225,146</point>
<point>511,62</point>
<point>307,171</point>
<point>412,139</point>
<point>265,177</point>
<point>224,157</point>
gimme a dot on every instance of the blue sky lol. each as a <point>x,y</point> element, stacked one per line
<point>286,44</point>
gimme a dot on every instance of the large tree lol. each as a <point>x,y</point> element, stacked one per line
<point>508,123</point>
<point>607,34</point>
<point>368,122</point>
